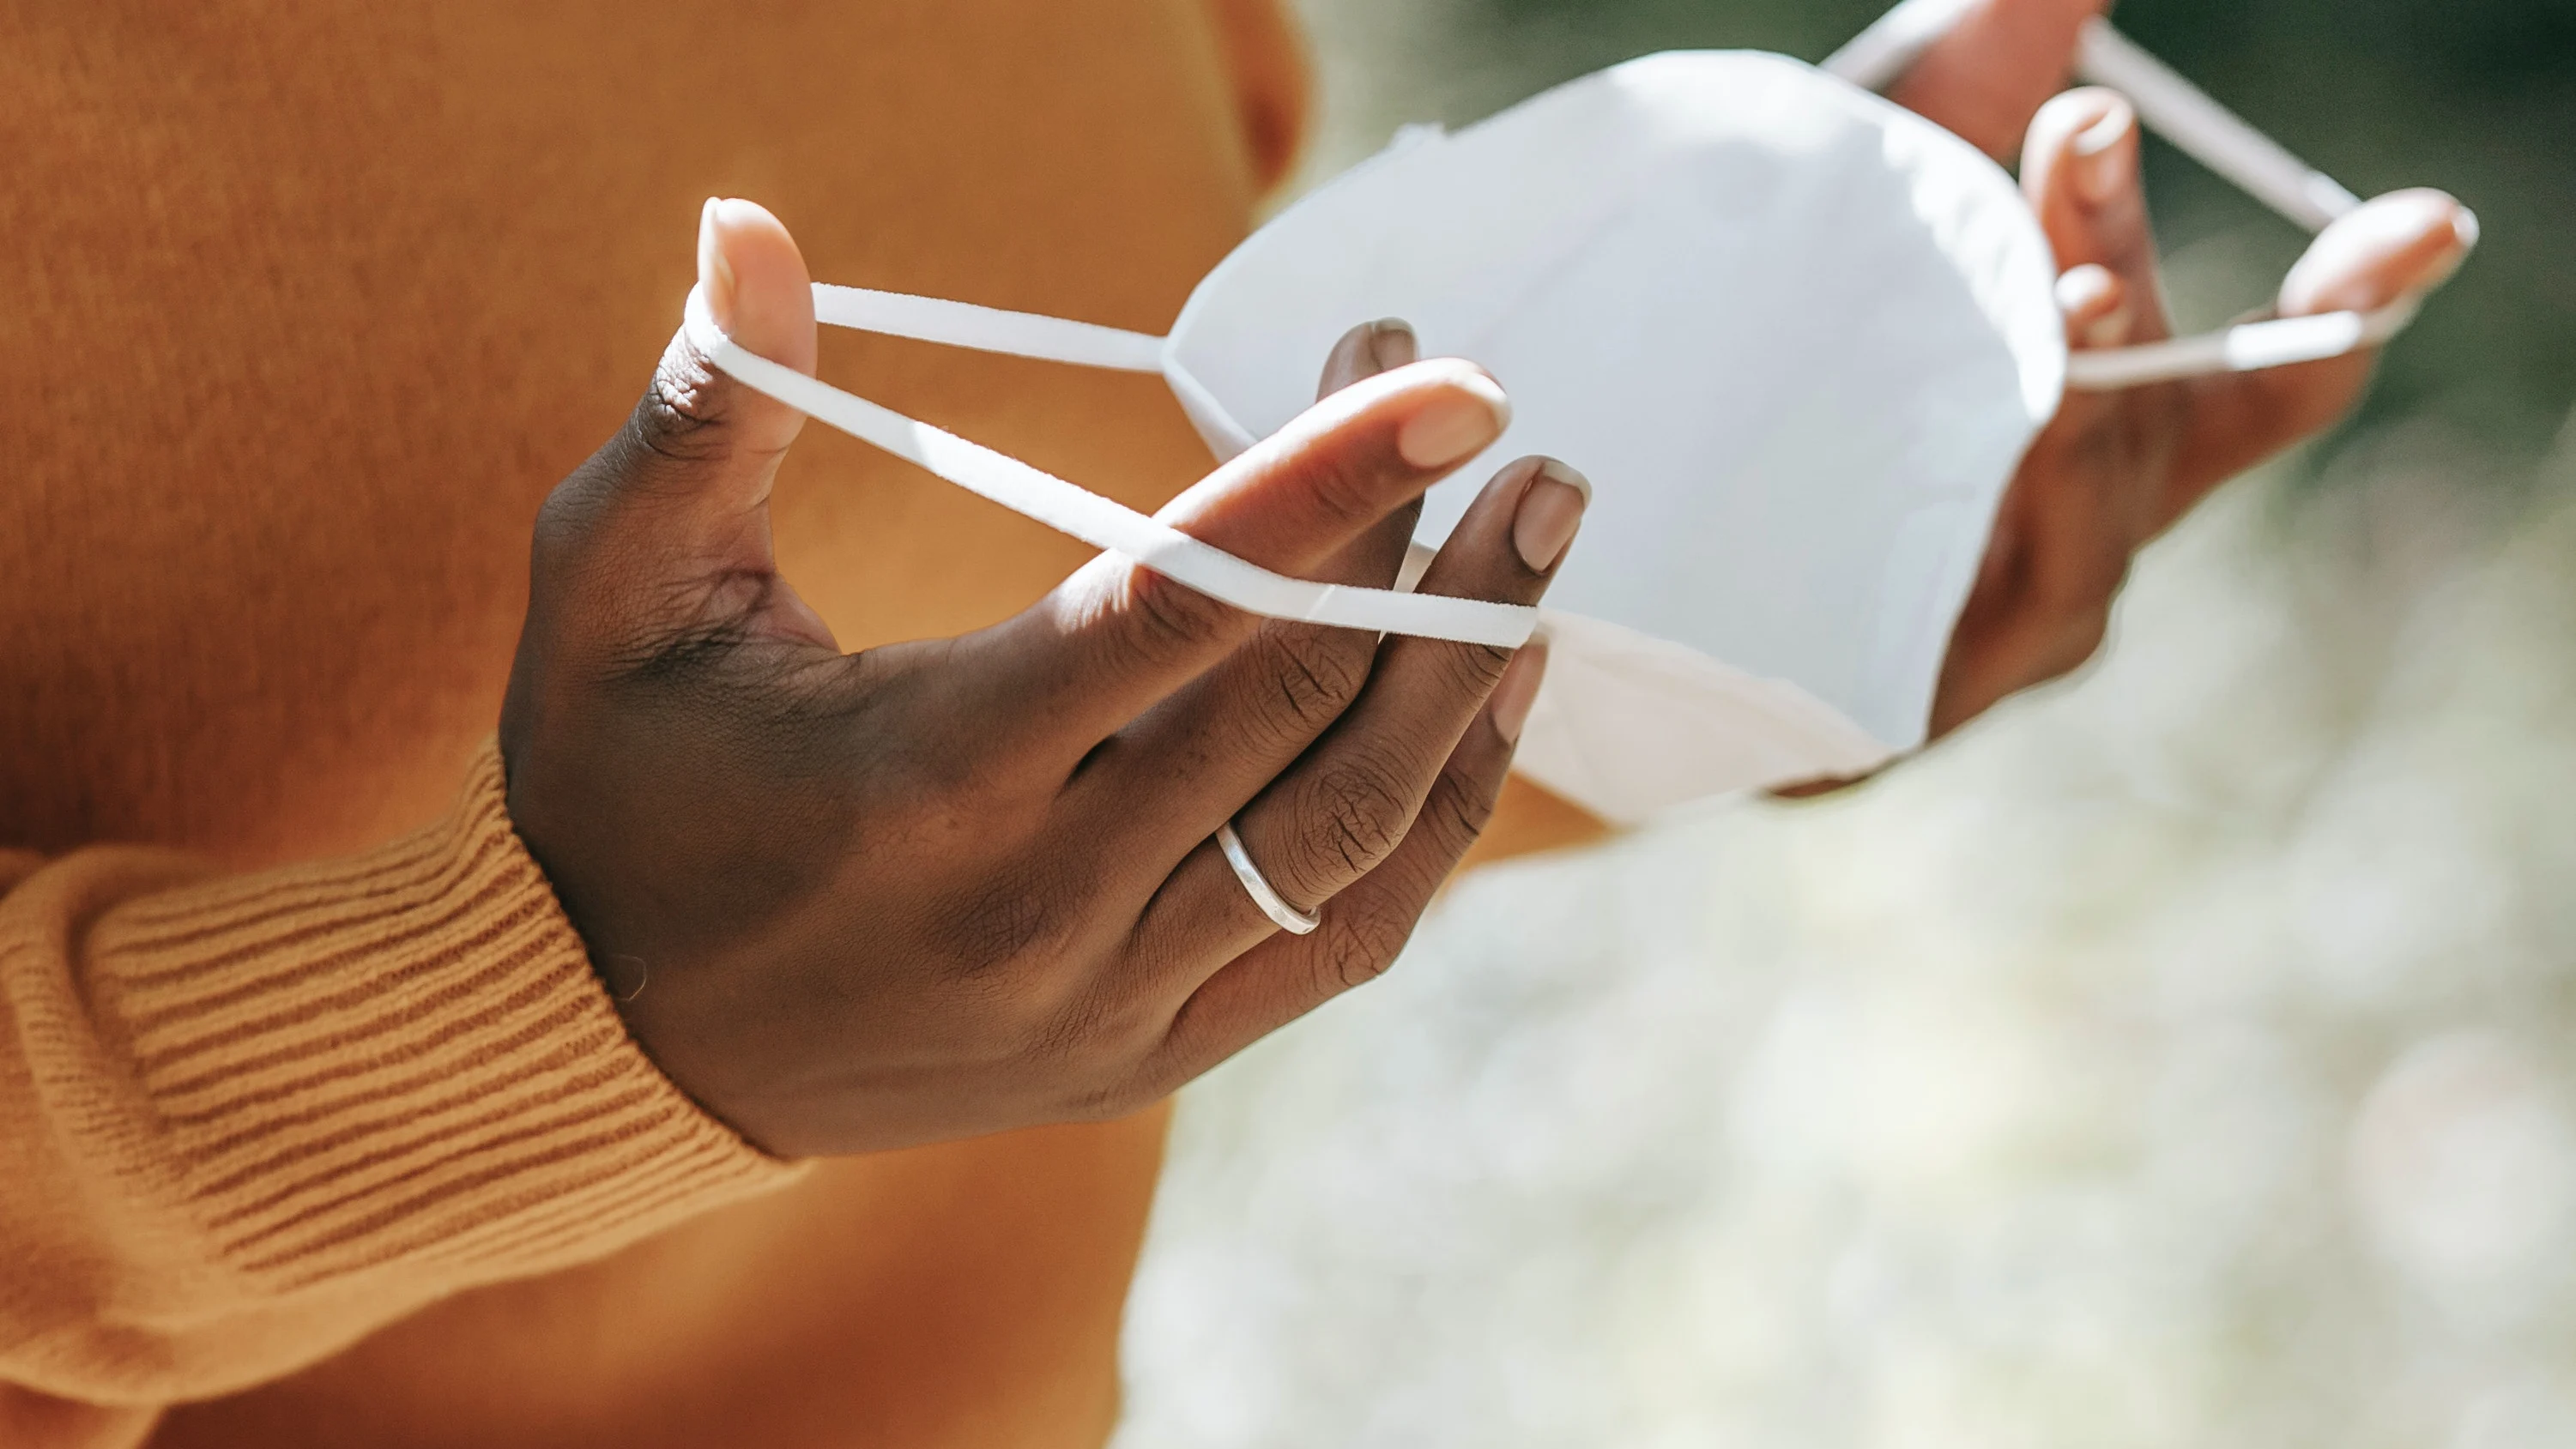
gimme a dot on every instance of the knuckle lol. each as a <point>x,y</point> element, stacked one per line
<point>2056,645</point>
<point>1009,931</point>
<point>1173,620</point>
<point>1345,483</point>
<point>1317,674</point>
<point>1109,1101</point>
<point>945,796</point>
<point>2084,591</point>
<point>1458,812</point>
<point>1365,939</point>
<point>2078,577</point>
<point>1099,1053</point>
<point>1358,817</point>
<point>1474,669</point>
<point>681,418</point>
<point>2082,639</point>
<point>660,437</point>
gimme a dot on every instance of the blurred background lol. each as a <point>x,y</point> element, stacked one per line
<point>2183,1055</point>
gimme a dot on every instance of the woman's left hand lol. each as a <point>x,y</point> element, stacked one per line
<point>2115,469</point>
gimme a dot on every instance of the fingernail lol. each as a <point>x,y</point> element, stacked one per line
<point>2108,330</point>
<point>2101,160</point>
<point>2464,240</point>
<point>2464,230</point>
<point>2464,235</point>
<point>1551,509</point>
<point>2083,291</point>
<point>1518,690</point>
<point>1392,344</point>
<point>715,273</point>
<point>1462,421</point>
<point>2095,305</point>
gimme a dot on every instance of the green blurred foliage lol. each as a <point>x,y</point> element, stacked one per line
<point>2477,97</point>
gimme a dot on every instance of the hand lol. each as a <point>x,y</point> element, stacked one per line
<point>946,888</point>
<point>2116,469</point>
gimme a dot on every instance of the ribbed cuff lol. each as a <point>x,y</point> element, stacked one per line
<point>402,1062</point>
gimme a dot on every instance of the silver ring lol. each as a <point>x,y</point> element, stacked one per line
<point>1290,919</point>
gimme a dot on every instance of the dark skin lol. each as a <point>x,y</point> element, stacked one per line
<point>2114,470</point>
<point>947,888</point>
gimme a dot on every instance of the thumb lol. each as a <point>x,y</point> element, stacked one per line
<point>754,284</point>
<point>667,527</point>
<point>2400,245</point>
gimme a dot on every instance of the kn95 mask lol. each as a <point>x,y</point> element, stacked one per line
<point>1798,338</point>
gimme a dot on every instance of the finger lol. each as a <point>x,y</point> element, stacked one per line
<point>1349,800</point>
<point>1116,637</point>
<point>1283,977</point>
<point>1367,350</point>
<point>2403,244</point>
<point>2095,305</point>
<point>2400,245</point>
<point>1306,673</point>
<point>1988,76</point>
<point>2080,173</point>
<point>1371,348</point>
<point>668,524</point>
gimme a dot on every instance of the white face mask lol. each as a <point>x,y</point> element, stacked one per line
<point>1798,337</point>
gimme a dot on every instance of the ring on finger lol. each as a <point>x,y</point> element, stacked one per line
<point>1257,886</point>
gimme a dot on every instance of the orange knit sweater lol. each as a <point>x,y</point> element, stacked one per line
<point>308,304</point>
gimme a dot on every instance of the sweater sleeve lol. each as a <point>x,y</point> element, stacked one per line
<point>245,1120</point>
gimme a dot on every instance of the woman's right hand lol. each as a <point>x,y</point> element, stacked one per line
<point>945,888</point>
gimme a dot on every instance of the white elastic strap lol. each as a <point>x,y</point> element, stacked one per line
<point>2210,134</point>
<point>1106,524</point>
<point>987,329</point>
<point>2248,347</point>
<point>1873,59</point>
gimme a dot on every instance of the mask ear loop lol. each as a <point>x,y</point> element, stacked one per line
<point>2202,129</point>
<point>987,329</point>
<point>1101,522</point>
